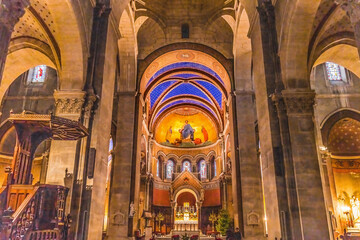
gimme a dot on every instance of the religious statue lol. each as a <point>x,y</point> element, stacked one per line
<point>142,166</point>
<point>355,206</point>
<point>202,194</point>
<point>228,164</point>
<point>171,191</point>
<point>132,210</point>
<point>187,131</point>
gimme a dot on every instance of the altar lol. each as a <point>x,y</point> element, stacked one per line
<point>186,218</point>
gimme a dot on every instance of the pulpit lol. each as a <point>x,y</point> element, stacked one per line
<point>30,210</point>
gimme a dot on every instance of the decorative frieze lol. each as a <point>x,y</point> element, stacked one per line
<point>299,102</point>
<point>11,11</point>
<point>351,164</point>
<point>69,103</point>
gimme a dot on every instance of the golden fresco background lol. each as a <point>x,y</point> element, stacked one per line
<point>176,120</point>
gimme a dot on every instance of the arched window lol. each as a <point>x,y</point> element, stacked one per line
<point>186,166</point>
<point>335,72</point>
<point>213,168</point>
<point>158,168</point>
<point>169,169</point>
<point>185,30</point>
<point>37,74</point>
<point>203,169</point>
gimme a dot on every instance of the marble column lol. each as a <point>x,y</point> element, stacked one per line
<point>247,167</point>
<point>10,13</point>
<point>121,190</point>
<point>352,8</point>
<point>62,153</point>
<point>311,203</point>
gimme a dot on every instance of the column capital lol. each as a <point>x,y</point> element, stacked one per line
<point>69,103</point>
<point>352,8</point>
<point>299,102</point>
<point>11,11</point>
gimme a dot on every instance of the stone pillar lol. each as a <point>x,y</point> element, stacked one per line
<point>311,205</point>
<point>44,167</point>
<point>62,153</point>
<point>247,167</point>
<point>224,192</point>
<point>10,13</point>
<point>352,8</point>
<point>173,212</point>
<point>198,205</point>
<point>121,190</point>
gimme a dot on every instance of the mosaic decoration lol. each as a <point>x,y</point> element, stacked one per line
<point>186,89</point>
<point>186,101</point>
<point>185,65</point>
<point>213,90</point>
<point>158,90</point>
<point>185,75</point>
<point>182,130</point>
<point>333,71</point>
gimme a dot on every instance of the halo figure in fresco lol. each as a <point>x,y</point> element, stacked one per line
<point>187,131</point>
<point>205,133</point>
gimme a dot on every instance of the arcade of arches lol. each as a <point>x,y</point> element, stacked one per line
<point>135,119</point>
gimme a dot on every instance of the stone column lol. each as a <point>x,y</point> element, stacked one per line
<point>198,205</point>
<point>44,167</point>
<point>311,204</point>
<point>247,167</point>
<point>123,167</point>
<point>224,192</point>
<point>10,13</point>
<point>352,8</point>
<point>62,153</point>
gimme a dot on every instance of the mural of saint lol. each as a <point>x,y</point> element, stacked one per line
<point>187,131</point>
<point>168,134</point>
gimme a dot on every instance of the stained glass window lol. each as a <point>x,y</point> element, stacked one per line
<point>186,166</point>
<point>169,169</point>
<point>158,168</point>
<point>202,169</point>
<point>37,74</point>
<point>111,147</point>
<point>333,71</point>
<point>214,168</point>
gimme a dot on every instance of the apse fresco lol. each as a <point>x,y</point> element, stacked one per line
<point>186,128</point>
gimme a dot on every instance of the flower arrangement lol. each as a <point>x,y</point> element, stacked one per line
<point>194,237</point>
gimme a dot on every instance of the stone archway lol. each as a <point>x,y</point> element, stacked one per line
<point>186,209</point>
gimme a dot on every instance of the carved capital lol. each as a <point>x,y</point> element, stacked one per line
<point>90,101</point>
<point>11,11</point>
<point>352,8</point>
<point>299,102</point>
<point>69,103</point>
